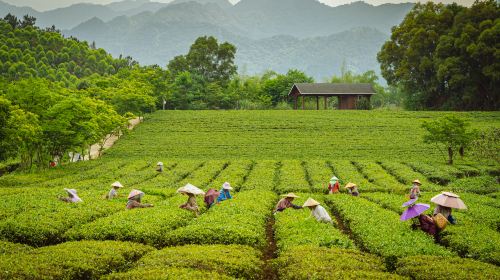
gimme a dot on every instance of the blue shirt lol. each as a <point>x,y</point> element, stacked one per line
<point>224,194</point>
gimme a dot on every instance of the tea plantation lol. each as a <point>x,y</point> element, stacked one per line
<point>263,154</point>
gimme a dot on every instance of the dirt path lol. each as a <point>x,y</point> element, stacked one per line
<point>269,253</point>
<point>94,149</point>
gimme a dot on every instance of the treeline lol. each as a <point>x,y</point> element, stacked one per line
<point>446,57</point>
<point>59,95</point>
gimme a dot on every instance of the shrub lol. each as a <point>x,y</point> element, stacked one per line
<point>380,231</point>
<point>167,274</point>
<point>439,268</point>
<point>310,262</point>
<point>72,260</point>
<point>9,248</point>
<point>237,261</point>
<point>237,221</point>
<point>479,185</point>
<point>293,228</point>
<point>292,178</point>
<point>261,177</point>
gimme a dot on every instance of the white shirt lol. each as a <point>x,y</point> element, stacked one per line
<point>112,193</point>
<point>320,214</point>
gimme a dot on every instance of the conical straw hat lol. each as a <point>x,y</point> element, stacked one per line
<point>188,188</point>
<point>134,193</point>
<point>227,186</point>
<point>160,163</point>
<point>417,181</point>
<point>117,184</point>
<point>350,185</point>
<point>334,179</point>
<point>310,202</point>
<point>450,200</point>
<point>71,191</point>
<point>291,195</point>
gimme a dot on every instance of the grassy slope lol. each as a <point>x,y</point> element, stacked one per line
<point>349,135</point>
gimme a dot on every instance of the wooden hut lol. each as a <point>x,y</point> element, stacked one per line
<point>348,94</point>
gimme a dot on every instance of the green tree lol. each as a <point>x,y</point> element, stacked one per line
<point>278,86</point>
<point>208,59</point>
<point>449,132</point>
<point>445,57</point>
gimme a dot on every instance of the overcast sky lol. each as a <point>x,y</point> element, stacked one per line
<point>43,5</point>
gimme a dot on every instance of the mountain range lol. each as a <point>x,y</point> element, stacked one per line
<point>269,34</point>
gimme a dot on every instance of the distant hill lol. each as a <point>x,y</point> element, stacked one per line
<point>266,33</point>
<point>269,34</point>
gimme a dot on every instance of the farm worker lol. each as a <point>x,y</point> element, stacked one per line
<point>317,211</point>
<point>445,201</point>
<point>114,190</point>
<point>134,200</point>
<point>210,197</point>
<point>224,192</point>
<point>333,185</point>
<point>415,189</point>
<point>352,189</point>
<point>72,196</point>
<point>427,224</point>
<point>446,212</point>
<point>191,191</point>
<point>160,166</point>
<point>191,204</point>
<point>286,202</point>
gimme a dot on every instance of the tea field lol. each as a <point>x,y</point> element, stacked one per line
<point>263,154</point>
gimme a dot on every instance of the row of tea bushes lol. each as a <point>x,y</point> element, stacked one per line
<point>72,260</point>
<point>198,261</point>
<point>292,178</point>
<point>319,174</point>
<point>378,176</point>
<point>262,176</point>
<point>238,221</point>
<point>299,227</point>
<point>347,172</point>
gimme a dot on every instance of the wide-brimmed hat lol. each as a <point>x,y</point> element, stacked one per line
<point>448,199</point>
<point>292,195</point>
<point>350,185</point>
<point>417,181</point>
<point>190,189</point>
<point>159,163</point>
<point>310,202</point>
<point>227,186</point>
<point>71,191</point>
<point>135,193</point>
<point>117,184</point>
<point>334,179</point>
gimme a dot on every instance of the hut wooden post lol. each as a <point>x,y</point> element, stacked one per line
<point>317,102</point>
<point>303,105</point>
<point>326,101</point>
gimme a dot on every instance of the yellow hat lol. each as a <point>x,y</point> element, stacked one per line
<point>117,184</point>
<point>291,195</point>
<point>310,202</point>
<point>416,181</point>
<point>350,185</point>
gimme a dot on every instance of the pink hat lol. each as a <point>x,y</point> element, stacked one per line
<point>135,193</point>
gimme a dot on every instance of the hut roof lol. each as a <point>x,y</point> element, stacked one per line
<point>333,89</point>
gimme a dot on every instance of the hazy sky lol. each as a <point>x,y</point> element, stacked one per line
<point>43,5</point>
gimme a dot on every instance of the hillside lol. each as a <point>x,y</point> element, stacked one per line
<point>257,135</point>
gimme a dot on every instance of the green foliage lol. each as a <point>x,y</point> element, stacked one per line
<point>367,220</point>
<point>309,262</point>
<point>487,146</point>
<point>301,135</point>
<point>9,248</point>
<point>444,56</point>
<point>451,132</point>
<point>72,260</point>
<point>167,273</point>
<point>278,86</point>
<point>294,228</point>
<point>241,262</point>
<point>237,221</point>
<point>437,268</point>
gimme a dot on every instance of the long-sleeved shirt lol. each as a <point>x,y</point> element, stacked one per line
<point>285,203</point>
<point>224,194</point>
<point>415,191</point>
<point>320,214</point>
<point>112,193</point>
<point>445,211</point>
<point>333,188</point>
